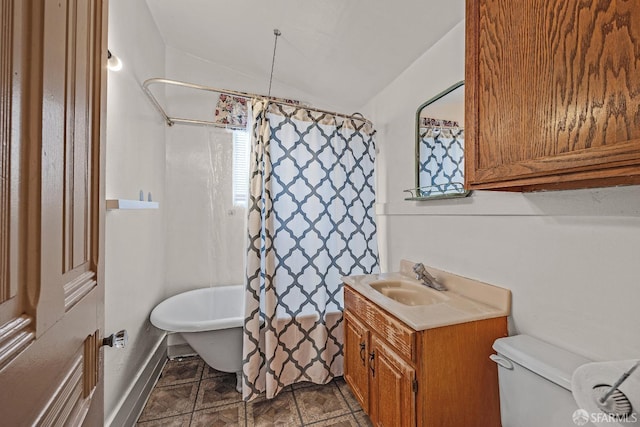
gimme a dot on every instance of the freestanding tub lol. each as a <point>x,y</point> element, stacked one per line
<point>210,320</point>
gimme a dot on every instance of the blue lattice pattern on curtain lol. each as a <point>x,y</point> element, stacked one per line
<point>441,167</point>
<point>316,207</point>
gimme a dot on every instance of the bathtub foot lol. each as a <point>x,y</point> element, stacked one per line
<point>239,381</point>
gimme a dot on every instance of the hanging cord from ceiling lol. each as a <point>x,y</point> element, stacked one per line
<point>276,33</point>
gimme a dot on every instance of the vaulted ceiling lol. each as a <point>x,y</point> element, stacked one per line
<point>340,51</point>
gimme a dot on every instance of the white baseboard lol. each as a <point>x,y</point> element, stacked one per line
<point>131,405</point>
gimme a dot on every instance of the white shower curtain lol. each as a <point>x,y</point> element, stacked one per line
<point>311,221</point>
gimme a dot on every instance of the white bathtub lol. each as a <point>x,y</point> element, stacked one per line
<point>210,320</point>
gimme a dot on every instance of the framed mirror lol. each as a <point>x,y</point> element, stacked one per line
<point>439,154</point>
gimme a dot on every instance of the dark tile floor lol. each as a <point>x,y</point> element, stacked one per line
<point>190,393</point>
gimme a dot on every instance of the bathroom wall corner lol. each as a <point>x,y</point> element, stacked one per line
<point>135,160</point>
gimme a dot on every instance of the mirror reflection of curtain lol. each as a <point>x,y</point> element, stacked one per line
<point>441,169</point>
<point>311,221</point>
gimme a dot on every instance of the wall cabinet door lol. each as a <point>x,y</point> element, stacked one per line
<point>552,94</point>
<point>356,353</point>
<point>392,400</point>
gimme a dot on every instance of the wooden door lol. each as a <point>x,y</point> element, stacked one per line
<point>52,92</point>
<point>552,94</point>
<point>356,355</point>
<point>392,400</point>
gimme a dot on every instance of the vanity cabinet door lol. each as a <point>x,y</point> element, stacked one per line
<point>552,94</point>
<point>393,400</point>
<point>356,354</point>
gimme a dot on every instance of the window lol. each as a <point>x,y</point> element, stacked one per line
<point>241,141</point>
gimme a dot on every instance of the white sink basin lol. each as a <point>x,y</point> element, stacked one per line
<point>408,293</point>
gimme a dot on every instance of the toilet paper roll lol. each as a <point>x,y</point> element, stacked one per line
<point>590,375</point>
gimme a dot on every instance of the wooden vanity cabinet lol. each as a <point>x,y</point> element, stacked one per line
<point>552,94</point>
<point>379,365</point>
<point>436,377</point>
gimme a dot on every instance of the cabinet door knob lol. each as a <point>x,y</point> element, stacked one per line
<point>362,351</point>
<point>117,340</point>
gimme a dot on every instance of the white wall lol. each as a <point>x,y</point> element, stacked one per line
<point>205,234</point>
<point>135,156</point>
<point>570,258</point>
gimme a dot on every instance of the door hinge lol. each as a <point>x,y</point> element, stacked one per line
<point>415,385</point>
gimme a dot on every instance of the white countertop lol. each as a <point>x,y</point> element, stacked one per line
<point>465,300</point>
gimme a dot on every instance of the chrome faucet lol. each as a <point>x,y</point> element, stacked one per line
<point>427,279</point>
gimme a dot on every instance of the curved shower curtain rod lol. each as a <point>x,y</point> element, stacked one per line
<point>173,120</point>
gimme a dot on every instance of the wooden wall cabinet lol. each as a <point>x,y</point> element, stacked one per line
<point>552,94</point>
<point>435,377</point>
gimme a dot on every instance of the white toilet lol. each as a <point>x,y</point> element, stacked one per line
<point>535,383</point>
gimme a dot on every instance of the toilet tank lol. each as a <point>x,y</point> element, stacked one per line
<point>535,382</point>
